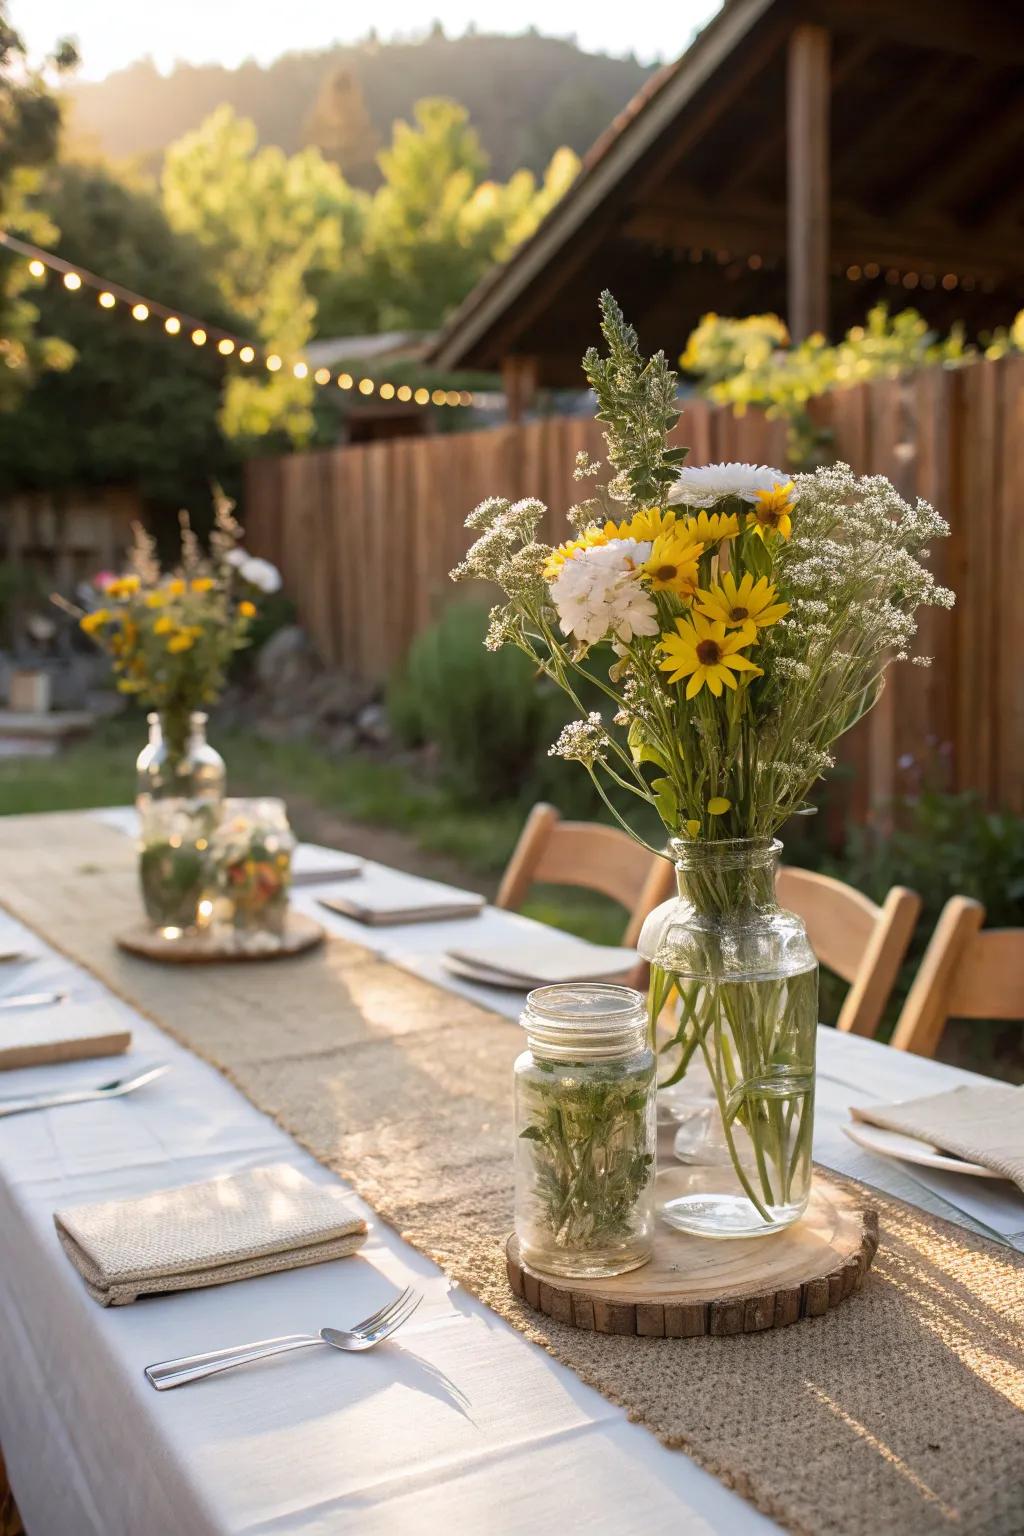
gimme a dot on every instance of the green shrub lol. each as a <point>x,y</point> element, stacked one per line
<point>489,716</point>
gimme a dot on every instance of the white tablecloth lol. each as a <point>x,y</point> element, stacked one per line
<point>459,1425</point>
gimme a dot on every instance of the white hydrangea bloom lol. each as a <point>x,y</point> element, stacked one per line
<point>702,485</point>
<point>260,574</point>
<point>598,593</point>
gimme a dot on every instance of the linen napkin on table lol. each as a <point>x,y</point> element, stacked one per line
<point>983,1124</point>
<point>253,1223</point>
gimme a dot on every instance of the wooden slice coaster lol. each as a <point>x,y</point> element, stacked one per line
<point>218,945</point>
<point>718,1286</point>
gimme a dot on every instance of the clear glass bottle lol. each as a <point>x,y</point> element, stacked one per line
<point>178,762</point>
<point>252,849</point>
<point>585,1131</point>
<point>737,977</point>
<point>176,871</point>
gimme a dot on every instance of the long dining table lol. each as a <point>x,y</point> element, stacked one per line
<point>459,1424</point>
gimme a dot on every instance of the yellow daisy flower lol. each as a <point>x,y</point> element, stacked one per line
<point>92,623</point>
<point>156,599</point>
<point>123,586</point>
<point>750,601</point>
<point>164,625</point>
<point>773,509</point>
<point>184,640</point>
<point>569,550</point>
<point>712,527</point>
<point>202,584</point>
<point>703,651</point>
<point>672,564</point>
<point>176,588</point>
<point>246,610</point>
<point>649,524</point>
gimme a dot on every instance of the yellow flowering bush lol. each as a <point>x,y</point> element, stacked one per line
<point>171,635</point>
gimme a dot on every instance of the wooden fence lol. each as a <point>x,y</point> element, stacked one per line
<point>365,537</point>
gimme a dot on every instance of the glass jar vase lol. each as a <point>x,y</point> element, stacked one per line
<point>252,849</point>
<point>585,1131</point>
<point>734,978</point>
<point>176,871</point>
<point>177,761</point>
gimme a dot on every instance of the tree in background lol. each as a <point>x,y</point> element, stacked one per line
<point>339,126</point>
<point>435,225</point>
<point>268,224</point>
<point>137,406</point>
<point>29,136</point>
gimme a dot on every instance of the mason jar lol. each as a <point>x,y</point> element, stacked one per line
<point>252,851</point>
<point>734,1000</point>
<point>585,1118</point>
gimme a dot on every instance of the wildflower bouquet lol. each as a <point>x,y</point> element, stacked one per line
<point>748,620</point>
<point>171,636</point>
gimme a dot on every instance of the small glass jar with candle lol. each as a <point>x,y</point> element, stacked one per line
<point>252,850</point>
<point>585,1090</point>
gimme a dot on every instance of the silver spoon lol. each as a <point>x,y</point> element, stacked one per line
<point>372,1330</point>
<point>112,1090</point>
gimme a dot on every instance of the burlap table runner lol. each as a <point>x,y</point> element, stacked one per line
<point>899,1410</point>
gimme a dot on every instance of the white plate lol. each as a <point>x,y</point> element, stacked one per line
<point>909,1150</point>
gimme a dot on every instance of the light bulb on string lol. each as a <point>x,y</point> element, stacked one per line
<point>72,281</point>
<point>322,376</point>
<point>345,381</point>
<point>422,396</point>
<point>387,391</point>
<point>404,392</point>
<point>366,386</point>
<point>300,370</point>
<point>140,311</point>
<point>465,398</point>
<point>273,362</point>
<point>37,268</point>
<point>172,325</point>
<point>225,346</point>
<point>246,354</point>
<point>199,337</point>
<point>452,397</point>
<point>439,397</point>
<point>106,300</point>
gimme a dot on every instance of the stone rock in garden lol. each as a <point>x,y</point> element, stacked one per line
<point>342,740</point>
<point>287,661</point>
<point>340,699</point>
<point>373,725</point>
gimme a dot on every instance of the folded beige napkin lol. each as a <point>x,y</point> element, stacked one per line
<point>253,1223</point>
<point>983,1124</point>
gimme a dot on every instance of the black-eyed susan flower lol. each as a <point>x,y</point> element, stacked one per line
<point>773,509</point>
<point>706,653</point>
<point>164,625</point>
<point>123,586</point>
<point>202,584</point>
<point>646,526</point>
<point>588,539</point>
<point>746,602</point>
<point>92,623</point>
<point>712,527</point>
<point>246,610</point>
<point>672,564</point>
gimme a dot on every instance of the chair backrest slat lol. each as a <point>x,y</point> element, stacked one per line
<point>862,942</point>
<point>589,855</point>
<point>966,973</point>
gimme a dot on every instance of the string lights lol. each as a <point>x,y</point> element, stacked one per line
<point>109,295</point>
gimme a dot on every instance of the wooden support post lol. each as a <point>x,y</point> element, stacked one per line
<point>519,378</point>
<point>807,129</point>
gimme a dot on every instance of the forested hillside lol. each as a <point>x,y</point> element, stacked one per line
<point>525,96</point>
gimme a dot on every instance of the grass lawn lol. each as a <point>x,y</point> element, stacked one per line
<point>100,771</point>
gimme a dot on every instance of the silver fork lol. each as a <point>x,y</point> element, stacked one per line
<point>380,1325</point>
<point>113,1090</point>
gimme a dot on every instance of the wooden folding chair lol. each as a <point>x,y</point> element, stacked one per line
<point>590,855</point>
<point>863,943</point>
<point>965,974</point>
